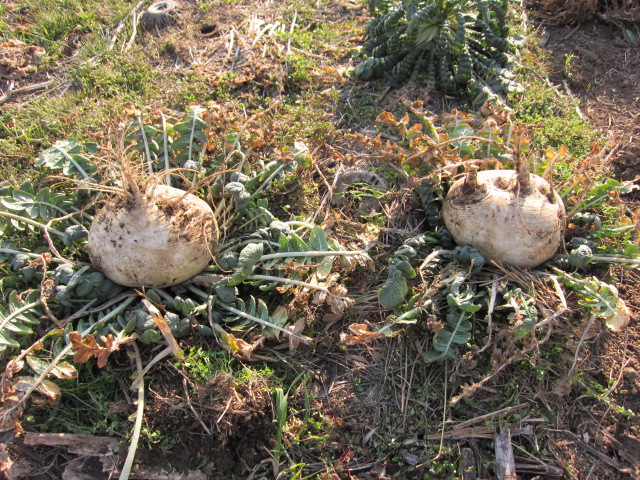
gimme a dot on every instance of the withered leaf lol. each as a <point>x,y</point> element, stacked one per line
<point>83,349</point>
<point>388,119</point>
<point>46,388</point>
<point>88,347</point>
<point>10,412</point>
<point>360,334</point>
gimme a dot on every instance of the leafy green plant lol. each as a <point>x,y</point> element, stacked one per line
<point>456,46</point>
<point>410,288</point>
<point>262,262</point>
<point>456,328</point>
<point>17,319</point>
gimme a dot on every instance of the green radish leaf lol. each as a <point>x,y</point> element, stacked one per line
<point>16,319</point>
<point>279,317</point>
<point>7,342</point>
<point>404,267</point>
<point>250,255</point>
<point>463,299</point>
<point>392,293</point>
<point>325,267</point>
<point>262,311</point>
<point>455,332</point>
<point>187,306</point>
<point>464,146</point>
<point>318,240</point>
<point>65,155</point>
<point>300,153</point>
<point>226,293</point>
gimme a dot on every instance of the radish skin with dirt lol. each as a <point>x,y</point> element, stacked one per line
<point>152,236</point>
<point>511,216</point>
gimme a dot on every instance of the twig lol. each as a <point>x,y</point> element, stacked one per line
<point>550,318</point>
<point>505,462</point>
<point>558,289</point>
<point>43,297</point>
<point>52,247</point>
<point>542,470</point>
<point>487,416</point>
<point>225,410</point>
<point>122,23</point>
<point>326,196</point>
<point>133,446</point>
<point>478,432</point>
<point>193,410</point>
<point>33,223</point>
<point>492,304</point>
<point>291,29</point>
<point>28,88</point>
<point>134,30</point>
<point>596,453</point>
<point>592,318</point>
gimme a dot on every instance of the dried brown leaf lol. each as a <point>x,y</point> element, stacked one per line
<point>388,119</point>
<point>64,371</point>
<point>620,318</point>
<point>10,412</point>
<point>296,338</point>
<point>360,334</point>
<point>87,347</point>
<point>83,349</point>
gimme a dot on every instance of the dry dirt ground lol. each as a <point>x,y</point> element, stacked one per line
<point>605,76</point>
<point>354,391</point>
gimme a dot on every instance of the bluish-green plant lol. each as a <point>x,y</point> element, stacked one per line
<point>460,47</point>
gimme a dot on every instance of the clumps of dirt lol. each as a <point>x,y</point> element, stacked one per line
<point>220,427</point>
<point>19,60</point>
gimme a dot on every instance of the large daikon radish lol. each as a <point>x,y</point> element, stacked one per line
<point>154,235</point>
<point>511,216</point>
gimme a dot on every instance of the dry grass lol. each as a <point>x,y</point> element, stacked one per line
<point>563,12</point>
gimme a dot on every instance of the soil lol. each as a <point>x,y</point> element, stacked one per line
<point>604,74</point>
<point>605,77</point>
<point>221,427</point>
<point>225,429</point>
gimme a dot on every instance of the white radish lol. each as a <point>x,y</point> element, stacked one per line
<point>511,216</point>
<point>154,236</point>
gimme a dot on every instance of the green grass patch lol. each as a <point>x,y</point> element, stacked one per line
<point>48,23</point>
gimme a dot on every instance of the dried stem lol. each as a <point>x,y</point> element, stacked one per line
<point>133,446</point>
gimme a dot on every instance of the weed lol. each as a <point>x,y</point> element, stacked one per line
<point>91,404</point>
<point>203,365</point>
<point>603,394</point>
<point>49,23</point>
<point>124,77</point>
<point>555,116</point>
